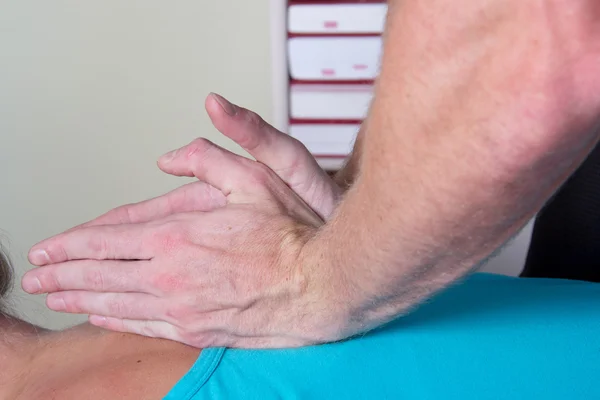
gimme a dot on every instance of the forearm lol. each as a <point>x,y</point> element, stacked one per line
<point>466,140</point>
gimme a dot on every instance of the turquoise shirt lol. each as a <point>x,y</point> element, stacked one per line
<point>490,337</point>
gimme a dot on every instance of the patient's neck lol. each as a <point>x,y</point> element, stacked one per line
<point>28,351</point>
<point>20,340</point>
<point>20,344</point>
<point>31,357</point>
<point>11,326</point>
<point>17,337</point>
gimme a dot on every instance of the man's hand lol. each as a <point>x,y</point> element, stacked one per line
<point>234,276</point>
<point>286,156</point>
<point>283,154</point>
<point>151,268</point>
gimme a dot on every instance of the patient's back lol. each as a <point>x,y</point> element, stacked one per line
<point>490,337</point>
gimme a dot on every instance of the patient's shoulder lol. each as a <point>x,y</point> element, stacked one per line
<point>122,367</point>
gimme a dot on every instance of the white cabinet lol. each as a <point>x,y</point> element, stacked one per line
<point>330,102</point>
<point>334,58</point>
<point>326,140</point>
<point>326,56</point>
<point>337,18</point>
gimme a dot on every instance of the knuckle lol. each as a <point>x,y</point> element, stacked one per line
<point>127,213</point>
<point>121,214</point>
<point>296,144</point>
<point>146,330</point>
<point>114,324</point>
<point>49,279</point>
<point>256,120</point>
<point>94,279</point>
<point>74,306</point>
<point>184,335</point>
<point>204,341</point>
<point>198,148</point>
<point>115,214</point>
<point>171,236</point>
<point>116,308</point>
<point>180,315</point>
<point>200,330</point>
<point>259,126</point>
<point>56,252</point>
<point>260,174</point>
<point>247,163</point>
<point>98,245</point>
<point>169,282</point>
<point>198,339</point>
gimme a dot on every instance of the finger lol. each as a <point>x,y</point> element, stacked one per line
<point>93,276</point>
<point>209,163</point>
<point>106,242</point>
<point>138,306</point>
<point>148,328</point>
<point>164,330</point>
<point>283,154</point>
<point>196,196</point>
<point>277,150</point>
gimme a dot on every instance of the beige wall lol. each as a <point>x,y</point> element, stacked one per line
<point>92,92</point>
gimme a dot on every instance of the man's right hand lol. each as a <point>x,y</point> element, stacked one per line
<point>283,154</point>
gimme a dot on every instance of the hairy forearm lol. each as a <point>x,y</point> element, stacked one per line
<point>480,112</point>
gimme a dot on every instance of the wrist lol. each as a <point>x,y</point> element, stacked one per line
<point>325,293</point>
<point>346,286</point>
<point>358,274</point>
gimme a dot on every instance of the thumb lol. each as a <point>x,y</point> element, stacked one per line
<point>282,153</point>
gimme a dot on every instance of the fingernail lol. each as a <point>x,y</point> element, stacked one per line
<point>225,104</point>
<point>31,285</point>
<point>56,304</point>
<point>169,156</point>
<point>39,257</point>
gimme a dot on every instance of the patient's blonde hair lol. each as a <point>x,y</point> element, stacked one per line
<point>6,278</point>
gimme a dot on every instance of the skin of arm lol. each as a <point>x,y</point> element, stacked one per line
<point>480,113</point>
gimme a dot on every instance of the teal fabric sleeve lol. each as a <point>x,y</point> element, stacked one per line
<point>489,337</point>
